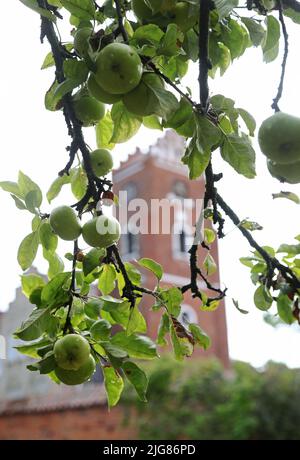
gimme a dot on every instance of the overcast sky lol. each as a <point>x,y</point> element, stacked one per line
<point>33,140</point>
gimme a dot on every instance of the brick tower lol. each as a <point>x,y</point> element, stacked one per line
<point>159,175</point>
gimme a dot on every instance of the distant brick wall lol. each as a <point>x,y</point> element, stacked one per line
<point>83,423</point>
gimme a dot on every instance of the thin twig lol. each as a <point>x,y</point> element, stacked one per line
<point>68,324</point>
<point>285,57</point>
<point>120,21</point>
<point>271,262</point>
<point>204,63</point>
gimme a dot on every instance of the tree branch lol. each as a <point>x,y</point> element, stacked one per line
<point>284,60</point>
<point>204,62</point>
<point>271,262</point>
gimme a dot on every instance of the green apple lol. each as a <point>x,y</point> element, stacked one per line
<point>285,173</point>
<point>81,40</point>
<point>101,161</point>
<point>269,4</point>
<point>119,68</point>
<point>184,15</point>
<point>141,100</point>
<point>279,138</point>
<point>99,93</point>
<point>87,109</point>
<point>142,11</point>
<point>65,223</point>
<point>71,351</point>
<point>101,231</point>
<point>76,377</point>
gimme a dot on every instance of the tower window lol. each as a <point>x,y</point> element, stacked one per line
<point>182,241</point>
<point>180,189</point>
<point>130,244</point>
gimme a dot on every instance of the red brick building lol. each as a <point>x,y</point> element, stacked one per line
<point>31,407</point>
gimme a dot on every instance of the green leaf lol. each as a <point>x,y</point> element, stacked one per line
<point>107,279</point>
<point>27,250</point>
<point>19,203</point>
<point>32,349</point>
<point>34,326</point>
<point>284,308</point>
<point>209,236</point>
<point>292,14</point>
<point>79,182</point>
<point>51,102</point>
<point>181,345</point>
<point>48,61</point>
<point>137,378</point>
<point>104,132</point>
<point>236,37</point>
<point>92,308</point>
<point>31,282</point>
<point>54,290</point>
<point>11,187</point>
<point>163,329</point>
<point>290,249</point>
<point>182,120</point>
<point>196,160</point>
<point>64,88</point>
<point>113,351</point>
<point>168,45</point>
<point>190,45</point>
<point>239,153</point>
<point>152,122</point>
<point>262,298</point>
<point>150,34</point>
<point>56,264</point>
<point>82,9</point>
<point>56,186</point>
<point>32,201</point>
<point>225,7</point>
<point>126,124</point>
<point>136,322</point>
<point>248,120</point>
<point>173,298</point>
<point>270,44</point>
<point>76,70</point>
<point>210,265</point>
<point>201,338</point>
<point>33,5</point>
<point>113,385</point>
<point>92,260</point>
<point>153,266</point>
<point>137,346</point>
<point>48,238</point>
<point>208,135</point>
<point>287,195</point>
<point>100,330</point>
<point>256,30</point>
<point>26,185</point>
<point>236,304</point>
<point>47,364</point>
<point>165,103</point>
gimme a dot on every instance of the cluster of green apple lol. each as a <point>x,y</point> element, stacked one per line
<point>164,12</point>
<point>118,76</point>
<point>74,362</point>
<point>99,232</point>
<point>279,140</point>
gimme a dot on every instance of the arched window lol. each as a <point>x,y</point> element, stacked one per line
<point>182,240</point>
<point>180,189</point>
<point>187,315</point>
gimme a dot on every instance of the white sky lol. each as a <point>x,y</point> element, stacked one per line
<point>33,140</point>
